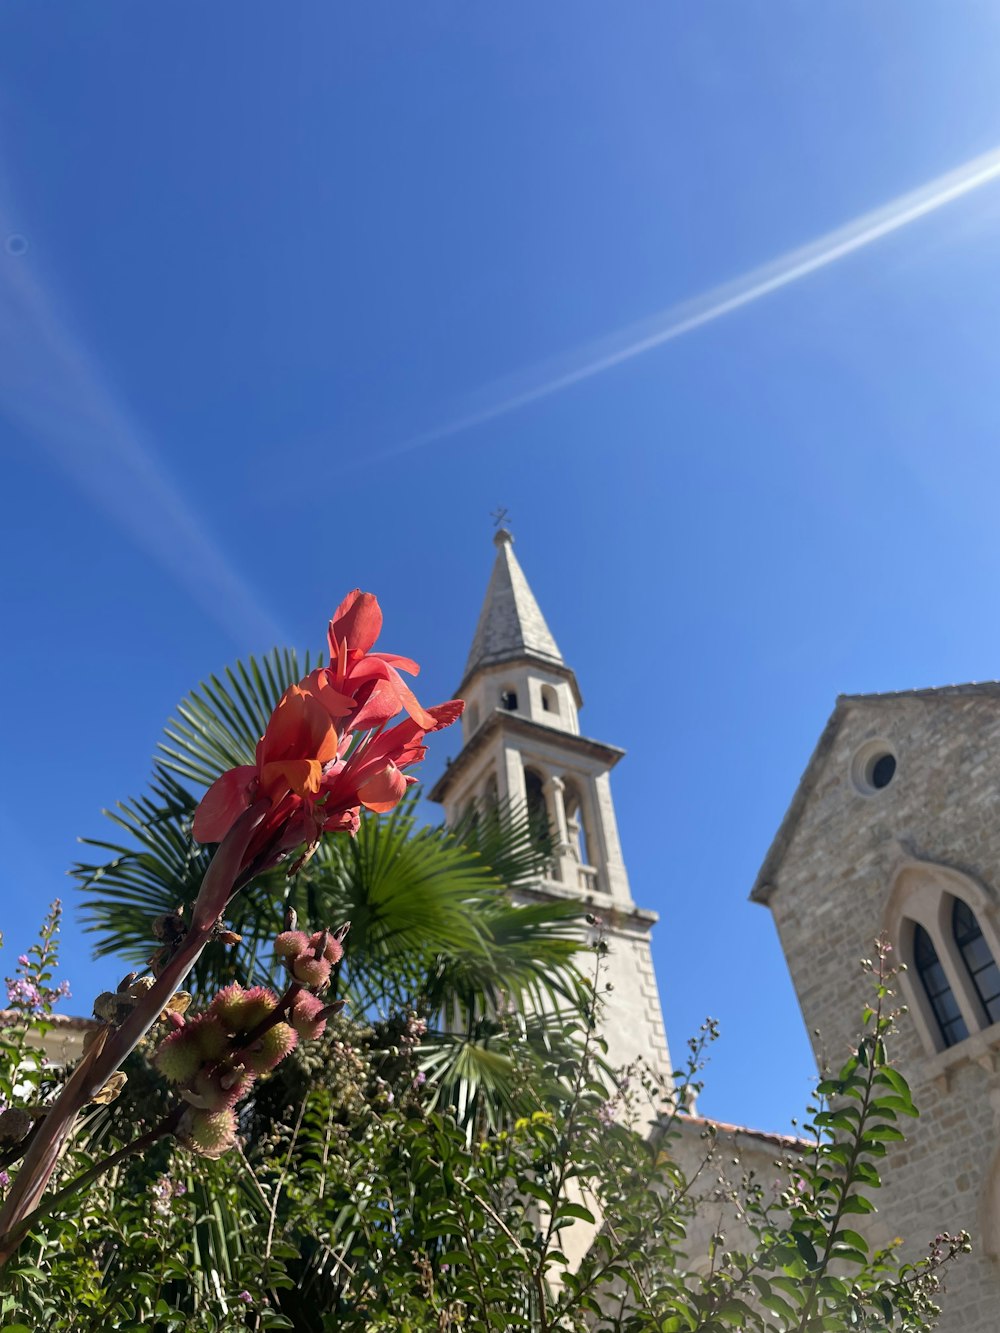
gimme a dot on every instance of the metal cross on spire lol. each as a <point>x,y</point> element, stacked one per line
<point>500,517</point>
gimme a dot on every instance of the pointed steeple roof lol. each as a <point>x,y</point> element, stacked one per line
<point>511,625</point>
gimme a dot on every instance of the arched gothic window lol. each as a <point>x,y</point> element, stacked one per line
<point>508,700</point>
<point>938,989</point>
<point>977,957</point>
<point>550,700</point>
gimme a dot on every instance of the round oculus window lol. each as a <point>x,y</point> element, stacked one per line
<point>873,767</point>
<point>883,770</point>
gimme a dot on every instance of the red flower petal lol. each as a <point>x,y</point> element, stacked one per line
<point>381,706</point>
<point>375,667</point>
<point>223,804</point>
<point>357,622</point>
<point>445,714</point>
<point>384,790</point>
<point>317,685</point>
<point>301,776</point>
<point>300,728</point>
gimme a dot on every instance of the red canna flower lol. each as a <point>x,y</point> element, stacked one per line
<point>325,752</point>
<point>300,738</point>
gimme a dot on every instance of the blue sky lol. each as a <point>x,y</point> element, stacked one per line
<point>255,263</point>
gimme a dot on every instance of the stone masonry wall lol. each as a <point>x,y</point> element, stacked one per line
<point>830,897</point>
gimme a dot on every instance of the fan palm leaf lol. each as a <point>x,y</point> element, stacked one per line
<point>432,918</point>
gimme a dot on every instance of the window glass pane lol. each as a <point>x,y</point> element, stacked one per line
<point>977,953</point>
<point>978,959</point>
<point>963,921</point>
<point>923,950</point>
<point>947,1007</point>
<point>954,1032</point>
<point>934,980</point>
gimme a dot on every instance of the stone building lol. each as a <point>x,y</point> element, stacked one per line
<point>894,827</point>
<point>521,742</point>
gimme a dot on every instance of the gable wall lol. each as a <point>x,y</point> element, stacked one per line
<point>829,900</point>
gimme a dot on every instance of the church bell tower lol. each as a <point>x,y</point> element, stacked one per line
<point>522,743</point>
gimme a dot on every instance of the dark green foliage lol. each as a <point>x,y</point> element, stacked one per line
<point>360,1201</point>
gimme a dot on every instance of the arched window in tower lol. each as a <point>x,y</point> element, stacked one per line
<point>508,699</point>
<point>938,989</point>
<point>977,958</point>
<point>550,700</point>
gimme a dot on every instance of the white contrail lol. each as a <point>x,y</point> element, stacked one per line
<point>56,395</point>
<point>597,357</point>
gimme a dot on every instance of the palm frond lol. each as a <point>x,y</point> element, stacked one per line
<point>513,843</point>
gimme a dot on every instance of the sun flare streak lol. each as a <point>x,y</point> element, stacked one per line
<point>56,396</point>
<point>597,357</point>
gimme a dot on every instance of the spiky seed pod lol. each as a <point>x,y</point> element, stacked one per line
<point>217,1091</point>
<point>239,1010</point>
<point>259,1003</point>
<point>332,949</point>
<point>178,1056</point>
<point>291,943</point>
<point>207,1133</point>
<point>306,1017</point>
<point>312,972</point>
<point>270,1049</point>
<point>229,1005</point>
<point>211,1037</point>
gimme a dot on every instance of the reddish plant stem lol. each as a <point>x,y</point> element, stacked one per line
<point>105,1057</point>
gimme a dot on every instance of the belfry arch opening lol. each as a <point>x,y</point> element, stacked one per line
<point>576,824</point>
<point>538,808</point>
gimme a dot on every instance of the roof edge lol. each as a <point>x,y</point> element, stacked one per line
<point>763,885</point>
